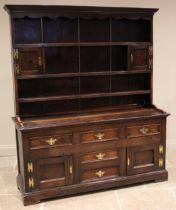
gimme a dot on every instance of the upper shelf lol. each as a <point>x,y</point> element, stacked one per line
<point>38,76</point>
<point>69,44</point>
<point>66,31</point>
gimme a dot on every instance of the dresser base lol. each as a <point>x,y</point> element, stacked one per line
<point>38,196</point>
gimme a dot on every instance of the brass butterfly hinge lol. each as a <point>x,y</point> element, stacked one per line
<point>150,63</point>
<point>150,50</point>
<point>30,167</point>
<point>161,162</point>
<point>31,182</point>
<point>161,149</point>
<point>15,54</point>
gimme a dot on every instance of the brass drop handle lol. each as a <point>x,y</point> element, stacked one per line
<point>144,130</point>
<point>99,136</point>
<point>71,169</point>
<point>132,58</point>
<point>128,162</point>
<point>100,156</point>
<point>51,141</point>
<point>40,61</point>
<point>100,173</point>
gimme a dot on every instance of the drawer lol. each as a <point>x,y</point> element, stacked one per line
<point>100,173</point>
<point>50,141</point>
<point>142,130</point>
<point>99,156</point>
<point>102,135</point>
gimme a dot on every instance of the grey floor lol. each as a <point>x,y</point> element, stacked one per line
<point>152,196</point>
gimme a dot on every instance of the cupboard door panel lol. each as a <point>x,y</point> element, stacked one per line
<point>142,159</point>
<point>28,61</point>
<point>140,58</point>
<point>55,172</point>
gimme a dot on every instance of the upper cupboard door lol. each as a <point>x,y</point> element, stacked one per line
<point>141,57</point>
<point>28,61</point>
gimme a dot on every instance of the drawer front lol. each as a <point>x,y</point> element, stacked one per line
<point>100,173</point>
<point>102,135</point>
<point>142,130</point>
<point>50,141</point>
<point>99,156</point>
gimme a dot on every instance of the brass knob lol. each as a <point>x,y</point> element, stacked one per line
<point>100,156</point>
<point>71,169</point>
<point>40,61</point>
<point>51,141</point>
<point>99,136</point>
<point>144,130</point>
<point>100,173</point>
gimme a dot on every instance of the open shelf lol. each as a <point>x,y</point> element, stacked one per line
<point>60,29</point>
<point>94,30</point>
<point>27,30</point>
<point>39,76</point>
<point>61,59</point>
<point>93,59</point>
<point>69,44</point>
<point>93,95</point>
<point>69,64</point>
<point>131,30</point>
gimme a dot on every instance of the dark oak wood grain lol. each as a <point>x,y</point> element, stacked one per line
<point>85,118</point>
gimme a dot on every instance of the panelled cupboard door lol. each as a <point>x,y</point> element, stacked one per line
<point>141,57</point>
<point>28,61</point>
<point>142,159</point>
<point>55,172</point>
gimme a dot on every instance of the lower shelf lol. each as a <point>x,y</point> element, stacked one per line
<point>37,196</point>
